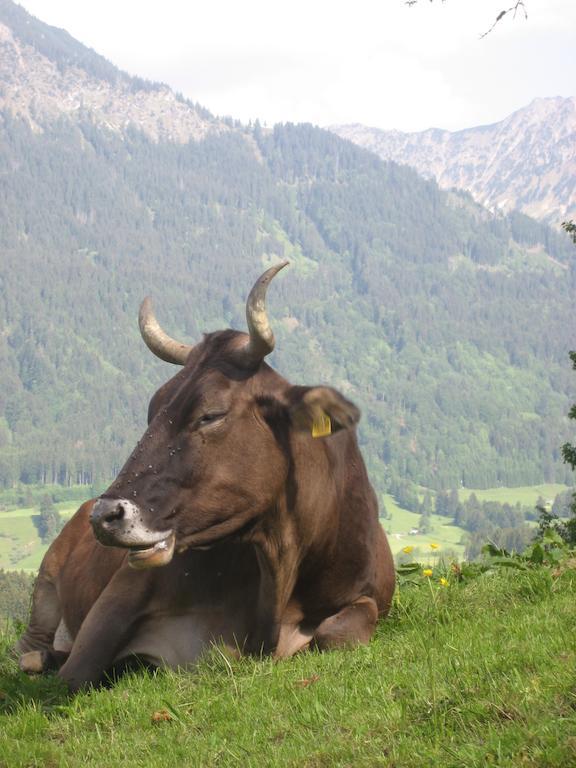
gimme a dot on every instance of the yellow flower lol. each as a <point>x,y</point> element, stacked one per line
<point>444,581</point>
<point>407,549</point>
<point>434,546</point>
<point>427,572</point>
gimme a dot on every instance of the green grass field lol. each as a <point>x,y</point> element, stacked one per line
<point>20,545</point>
<point>450,537</point>
<point>527,495</point>
<point>447,537</point>
<point>472,674</point>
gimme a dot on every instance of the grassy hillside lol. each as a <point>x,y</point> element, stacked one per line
<point>20,544</point>
<point>479,672</point>
<point>447,537</point>
<point>527,495</point>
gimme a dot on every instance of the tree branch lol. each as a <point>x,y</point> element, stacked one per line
<point>518,5</point>
<point>513,9</point>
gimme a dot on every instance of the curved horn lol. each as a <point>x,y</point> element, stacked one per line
<point>157,341</point>
<point>261,337</point>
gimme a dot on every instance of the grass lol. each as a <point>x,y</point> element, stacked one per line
<point>473,674</point>
<point>20,546</point>
<point>398,528</point>
<point>527,495</point>
<point>448,536</point>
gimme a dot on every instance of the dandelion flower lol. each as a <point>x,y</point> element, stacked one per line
<point>444,582</point>
<point>434,546</point>
<point>407,550</point>
<point>427,572</point>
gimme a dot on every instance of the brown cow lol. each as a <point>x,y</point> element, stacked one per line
<point>265,524</point>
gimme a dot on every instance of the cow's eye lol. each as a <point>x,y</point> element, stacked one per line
<point>210,418</point>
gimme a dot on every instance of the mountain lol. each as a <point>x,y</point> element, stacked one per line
<point>450,326</point>
<point>526,162</point>
<point>45,74</point>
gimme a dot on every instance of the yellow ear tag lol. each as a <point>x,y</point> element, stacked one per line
<point>322,426</point>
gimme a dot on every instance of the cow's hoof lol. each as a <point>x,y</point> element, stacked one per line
<point>33,662</point>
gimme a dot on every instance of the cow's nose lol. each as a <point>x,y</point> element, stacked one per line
<point>111,513</point>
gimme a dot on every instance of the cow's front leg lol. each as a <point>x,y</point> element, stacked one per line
<point>353,625</point>
<point>36,646</point>
<point>106,629</point>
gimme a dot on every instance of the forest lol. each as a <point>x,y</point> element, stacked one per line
<point>449,326</point>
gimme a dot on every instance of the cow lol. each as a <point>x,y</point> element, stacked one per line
<point>243,517</point>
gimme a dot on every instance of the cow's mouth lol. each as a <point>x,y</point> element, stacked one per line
<point>158,554</point>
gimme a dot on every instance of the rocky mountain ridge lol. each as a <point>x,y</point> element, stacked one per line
<point>45,75</point>
<point>525,162</point>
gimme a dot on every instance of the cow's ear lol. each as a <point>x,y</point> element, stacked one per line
<point>320,410</point>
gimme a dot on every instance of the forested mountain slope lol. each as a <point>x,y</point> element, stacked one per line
<point>525,162</point>
<point>449,327</point>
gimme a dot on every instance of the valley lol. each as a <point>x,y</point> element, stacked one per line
<point>22,549</point>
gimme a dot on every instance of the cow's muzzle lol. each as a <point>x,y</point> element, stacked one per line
<point>119,523</point>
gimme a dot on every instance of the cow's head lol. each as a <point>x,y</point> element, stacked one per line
<point>217,453</point>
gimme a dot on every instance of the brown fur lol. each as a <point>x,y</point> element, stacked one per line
<point>296,556</point>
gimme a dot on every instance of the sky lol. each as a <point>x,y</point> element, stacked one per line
<point>376,62</point>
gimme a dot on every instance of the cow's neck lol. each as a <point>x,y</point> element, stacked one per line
<point>277,548</point>
<point>298,528</point>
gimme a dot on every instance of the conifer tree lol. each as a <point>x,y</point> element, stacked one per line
<point>49,522</point>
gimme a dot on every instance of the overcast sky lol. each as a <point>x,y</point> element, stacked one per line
<point>376,62</point>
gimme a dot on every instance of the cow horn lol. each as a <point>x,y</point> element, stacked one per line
<point>157,341</point>
<point>261,337</point>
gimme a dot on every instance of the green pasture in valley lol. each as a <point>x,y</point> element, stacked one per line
<point>20,545</point>
<point>447,537</point>
<point>475,673</point>
<point>527,495</point>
